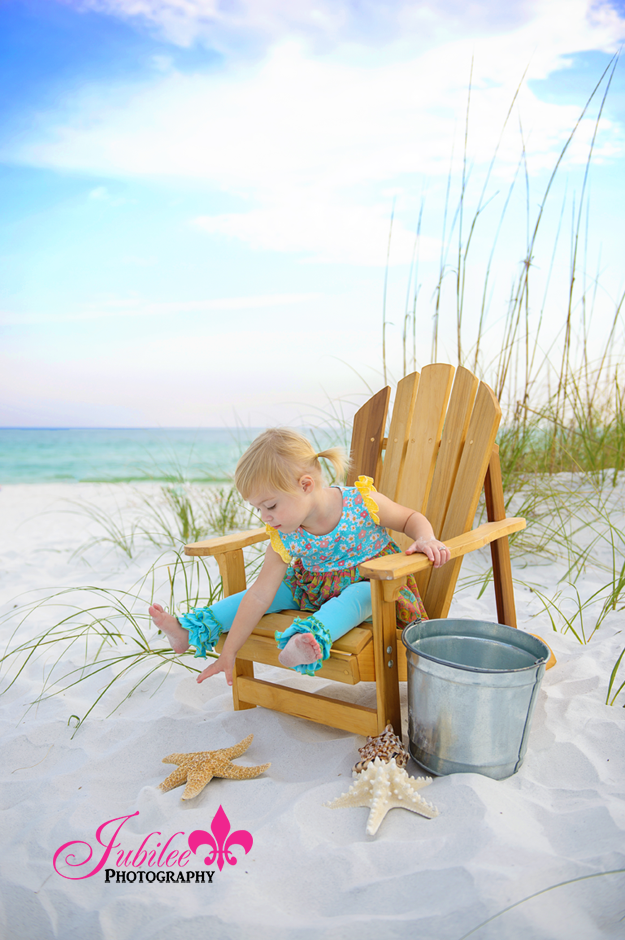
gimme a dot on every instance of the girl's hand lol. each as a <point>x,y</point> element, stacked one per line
<point>224,664</point>
<point>436,551</point>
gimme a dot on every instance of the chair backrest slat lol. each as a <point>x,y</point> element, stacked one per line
<point>451,448</point>
<point>450,452</point>
<point>367,437</point>
<point>401,423</point>
<point>424,436</point>
<point>476,453</point>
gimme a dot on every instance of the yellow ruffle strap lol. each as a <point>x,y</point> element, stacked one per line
<point>365,487</point>
<point>278,545</point>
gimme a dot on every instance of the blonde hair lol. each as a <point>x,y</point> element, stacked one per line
<point>279,457</point>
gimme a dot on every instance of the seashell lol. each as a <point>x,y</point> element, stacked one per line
<point>386,746</point>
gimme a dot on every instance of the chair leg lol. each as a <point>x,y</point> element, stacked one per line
<point>242,667</point>
<point>232,571</point>
<point>502,577</point>
<point>386,671</point>
<point>500,549</point>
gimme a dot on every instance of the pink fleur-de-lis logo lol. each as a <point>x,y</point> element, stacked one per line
<point>220,842</point>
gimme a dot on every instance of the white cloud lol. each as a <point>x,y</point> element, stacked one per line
<point>299,120</point>
<point>314,141</point>
<point>255,23</point>
<point>326,232</point>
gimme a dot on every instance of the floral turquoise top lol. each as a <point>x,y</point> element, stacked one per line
<point>321,566</point>
<point>357,537</point>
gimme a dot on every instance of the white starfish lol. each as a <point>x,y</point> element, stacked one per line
<point>383,786</point>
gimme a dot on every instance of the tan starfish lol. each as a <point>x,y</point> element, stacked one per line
<point>199,767</point>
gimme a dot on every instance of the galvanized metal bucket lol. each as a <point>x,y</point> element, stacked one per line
<point>472,687</point>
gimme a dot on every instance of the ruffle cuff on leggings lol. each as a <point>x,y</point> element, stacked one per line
<point>321,635</point>
<point>204,630</point>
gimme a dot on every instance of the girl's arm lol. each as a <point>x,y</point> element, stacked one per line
<point>416,527</point>
<point>254,604</point>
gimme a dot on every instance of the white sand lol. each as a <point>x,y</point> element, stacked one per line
<point>481,869</point>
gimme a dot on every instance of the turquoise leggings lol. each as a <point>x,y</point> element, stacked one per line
<point>331,621</point>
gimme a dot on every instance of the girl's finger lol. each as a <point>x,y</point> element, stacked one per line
<point>210,671</point>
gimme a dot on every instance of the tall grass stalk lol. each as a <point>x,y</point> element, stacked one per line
<point>567,406</point>
<point>537,894</point>
<point>384,322</point>
<point>116,531</point>
<point>612,696</point>
<point>178,513</point>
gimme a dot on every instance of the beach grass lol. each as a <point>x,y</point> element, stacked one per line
<point>185,513</point>
<point>104,633</point>
<point>178,513</point>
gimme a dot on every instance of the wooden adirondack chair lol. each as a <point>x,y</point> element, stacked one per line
<point>439,455</point>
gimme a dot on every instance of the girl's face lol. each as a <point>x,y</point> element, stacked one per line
<point>285,512</point>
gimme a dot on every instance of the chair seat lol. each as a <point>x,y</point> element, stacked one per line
<point>351,656</point>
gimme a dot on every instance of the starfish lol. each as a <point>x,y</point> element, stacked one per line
<point>199,767</point>
<point>384,786</point>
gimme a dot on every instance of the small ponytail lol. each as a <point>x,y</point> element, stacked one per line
<point>339,460</point>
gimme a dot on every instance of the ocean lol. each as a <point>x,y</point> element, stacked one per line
<point>110,455</point>
<point>129,455</point>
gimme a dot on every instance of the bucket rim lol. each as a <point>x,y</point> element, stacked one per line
<point>481,669</point>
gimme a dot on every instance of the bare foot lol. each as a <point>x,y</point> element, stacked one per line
<point>175,633</point>
<point>301,649</point>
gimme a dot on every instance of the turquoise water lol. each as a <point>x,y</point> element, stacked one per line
<point>108,455</point>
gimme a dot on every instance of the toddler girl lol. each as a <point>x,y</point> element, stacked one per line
<point>318,536</point>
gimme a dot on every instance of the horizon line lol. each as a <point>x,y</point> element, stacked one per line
<point>215,427</point>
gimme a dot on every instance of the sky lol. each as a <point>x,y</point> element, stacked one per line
<point>210,207</point>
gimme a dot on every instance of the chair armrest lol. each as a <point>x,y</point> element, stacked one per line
<point>390,567</point>
<point>226,543</point>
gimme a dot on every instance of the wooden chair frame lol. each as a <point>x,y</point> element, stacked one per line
<point>439,456</point>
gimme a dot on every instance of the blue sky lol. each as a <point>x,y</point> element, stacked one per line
<point>197,195</point>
